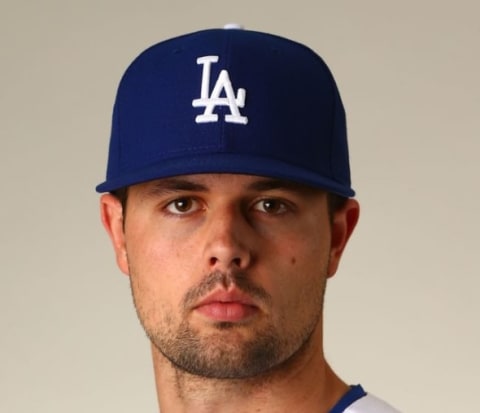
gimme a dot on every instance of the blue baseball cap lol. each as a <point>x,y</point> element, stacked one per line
<point>229,101</point>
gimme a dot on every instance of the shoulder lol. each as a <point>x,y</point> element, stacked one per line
<point>370,404</point>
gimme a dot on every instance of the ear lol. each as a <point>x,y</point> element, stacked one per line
<point>343,224</point>
<point>111,212</point>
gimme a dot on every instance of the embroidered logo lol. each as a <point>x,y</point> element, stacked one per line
<point>223,84</point>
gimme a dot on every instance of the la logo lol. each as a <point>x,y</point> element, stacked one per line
<point>223,84</point>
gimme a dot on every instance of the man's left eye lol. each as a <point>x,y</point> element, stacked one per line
<point>271,206</point>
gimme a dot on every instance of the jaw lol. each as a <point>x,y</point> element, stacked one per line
<point>303,373</point>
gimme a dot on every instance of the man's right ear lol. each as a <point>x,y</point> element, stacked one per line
<point>111,212</point>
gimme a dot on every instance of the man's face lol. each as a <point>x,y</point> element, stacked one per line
<point>227,271</point>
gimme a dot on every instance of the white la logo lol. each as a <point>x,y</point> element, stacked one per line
<point>223,83</point>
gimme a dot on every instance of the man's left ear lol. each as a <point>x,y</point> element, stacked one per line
<point>343,224</point>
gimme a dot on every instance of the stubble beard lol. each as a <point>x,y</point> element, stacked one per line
<point>220,356</point>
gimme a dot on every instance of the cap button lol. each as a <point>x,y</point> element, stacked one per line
<point>236,26</point>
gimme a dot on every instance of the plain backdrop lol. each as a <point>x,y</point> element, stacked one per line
<point>402,314</point>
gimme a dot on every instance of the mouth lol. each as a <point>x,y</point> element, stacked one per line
<point>227,306</point>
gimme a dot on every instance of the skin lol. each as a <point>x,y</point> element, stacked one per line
<point>267,248</point>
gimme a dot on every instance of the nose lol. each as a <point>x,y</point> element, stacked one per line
<point>229,241</point>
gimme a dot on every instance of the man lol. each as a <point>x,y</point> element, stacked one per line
<point>229,206</point>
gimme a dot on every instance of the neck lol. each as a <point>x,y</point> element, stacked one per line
<point>305,383</point>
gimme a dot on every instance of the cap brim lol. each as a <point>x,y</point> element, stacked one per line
<point>226,163</point>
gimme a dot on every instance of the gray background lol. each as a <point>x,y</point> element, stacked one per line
<point>402,313</point>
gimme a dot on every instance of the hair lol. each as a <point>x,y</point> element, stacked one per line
<point>334,202</point>
<point>121,194</point>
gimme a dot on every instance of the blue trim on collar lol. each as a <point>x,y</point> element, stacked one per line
<point>356,392</point>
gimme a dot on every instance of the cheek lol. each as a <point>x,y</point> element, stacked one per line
<point>152,249</point>
<point>155,274</point>
<point>310,250</point>
<point>299,269</point>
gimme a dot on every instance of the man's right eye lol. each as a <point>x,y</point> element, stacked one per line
<point>182,206</point>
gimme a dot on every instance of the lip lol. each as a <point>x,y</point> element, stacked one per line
<point>227,306</point>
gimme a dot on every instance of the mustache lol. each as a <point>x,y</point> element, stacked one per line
<point>226,280</point>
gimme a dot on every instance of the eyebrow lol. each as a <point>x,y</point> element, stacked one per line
<point>269,184</point>
<point>177,184</point>
<point>170,185</point>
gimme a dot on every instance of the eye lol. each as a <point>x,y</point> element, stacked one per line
<point>271,206</point>
<point>182,206</point>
